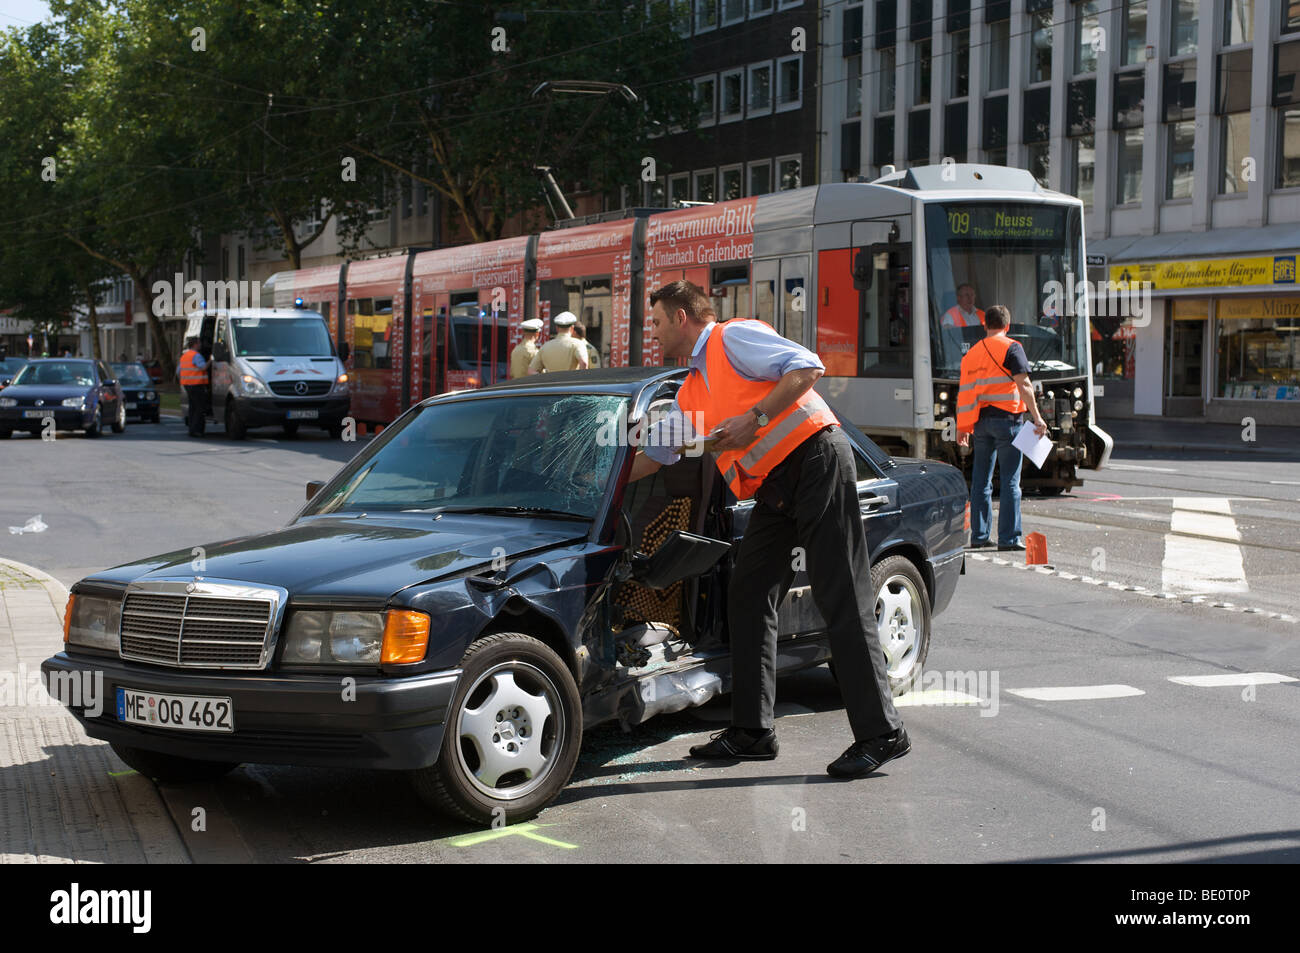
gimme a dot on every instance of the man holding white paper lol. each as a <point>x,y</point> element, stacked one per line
<point>995,392</point>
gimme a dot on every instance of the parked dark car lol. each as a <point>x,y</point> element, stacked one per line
<point>79,393</point>
<point>9,368</point>
<point>139,391</point>
<point>469,593</point>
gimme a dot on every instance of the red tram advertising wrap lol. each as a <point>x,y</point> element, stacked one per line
<point>860,273</point>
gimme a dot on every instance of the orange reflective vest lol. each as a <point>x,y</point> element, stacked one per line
<point>727,394</point>
<point>958,319</point>
<point>192,376</point>
<point>985,382</point>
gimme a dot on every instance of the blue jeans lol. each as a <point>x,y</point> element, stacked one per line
<point>993,436</point>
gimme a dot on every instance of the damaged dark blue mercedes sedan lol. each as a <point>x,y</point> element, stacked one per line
<point>471,592</point>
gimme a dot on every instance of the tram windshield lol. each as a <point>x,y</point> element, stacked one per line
<point>1027,257</point>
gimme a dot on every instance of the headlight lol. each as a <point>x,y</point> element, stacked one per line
<point>943,395</point>
<point>940,409</point>
<point>1078,392</point>
<point>92,621</point>
<point>1051,395</point>
<point>150,396</point>
<point>340,384</point>
<point>1078,405</point>
<point>252,386</point>
<point>8,402</point>
<point>316,637</point>
<point>78,402</point>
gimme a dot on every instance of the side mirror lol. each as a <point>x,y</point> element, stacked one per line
<point>681,556</point>
<point>344,351</point>
<point>313,487</point>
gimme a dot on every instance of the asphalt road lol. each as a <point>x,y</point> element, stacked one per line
<point>1141,768</point>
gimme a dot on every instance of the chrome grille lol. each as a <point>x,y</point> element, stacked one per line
<point>195,630</point>
<point>314,388</point>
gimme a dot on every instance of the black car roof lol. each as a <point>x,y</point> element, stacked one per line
<point>611,380</point>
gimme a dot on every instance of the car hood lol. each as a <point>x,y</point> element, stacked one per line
<point>27,392</point>
<point>309,367</point>
<point>333,557</point>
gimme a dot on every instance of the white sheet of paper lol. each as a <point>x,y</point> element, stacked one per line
<point>1028,442</point>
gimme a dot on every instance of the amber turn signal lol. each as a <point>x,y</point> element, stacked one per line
<point>406,637</point>
<point>67,617</point>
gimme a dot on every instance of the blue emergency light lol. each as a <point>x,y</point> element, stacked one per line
<point>297,302</point>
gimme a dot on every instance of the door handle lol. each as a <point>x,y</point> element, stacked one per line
<point>871,502</point>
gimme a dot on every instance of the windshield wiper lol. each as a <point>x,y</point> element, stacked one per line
<point>529,510</point>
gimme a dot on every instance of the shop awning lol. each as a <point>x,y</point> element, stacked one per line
<point>1219,242</point>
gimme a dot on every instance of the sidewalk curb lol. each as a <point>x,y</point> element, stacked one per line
<point>1205,448</point>
<point>56,590</point>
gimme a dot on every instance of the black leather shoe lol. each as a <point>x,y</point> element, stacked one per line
<point>1013,548</point>
<point>863,757</point>
<point>981,544</point>
<point>736,743</point>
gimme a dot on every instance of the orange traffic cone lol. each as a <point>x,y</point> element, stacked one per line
<point>1035,549</point>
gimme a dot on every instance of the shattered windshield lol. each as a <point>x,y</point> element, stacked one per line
<point>533,453</point>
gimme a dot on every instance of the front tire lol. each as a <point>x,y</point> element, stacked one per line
<point>119,423</point>
<point>96,425</point>
<point>170,768</point>
<point>235,427</point>
<point>902,620</point>
<point>513,732</point>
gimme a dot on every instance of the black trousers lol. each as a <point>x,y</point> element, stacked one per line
<point>809,500</point>
<point>196,419</point>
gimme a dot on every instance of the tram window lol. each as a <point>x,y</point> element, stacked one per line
<point>885,313</point>
<point>793,307</point>
<point>729,290</point>
<point>596,315</point>
<point>372,320</point>
<point>765,300</point>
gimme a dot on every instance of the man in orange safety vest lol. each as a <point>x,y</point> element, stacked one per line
<point>193,372</point>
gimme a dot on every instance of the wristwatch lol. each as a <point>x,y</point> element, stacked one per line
<point>763,419</point>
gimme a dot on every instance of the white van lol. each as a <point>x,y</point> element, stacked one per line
<point>272,367</point>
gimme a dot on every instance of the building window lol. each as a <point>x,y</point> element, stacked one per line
<point>1040,47</point>
<point>850,150</point>
<point>706,15</point>
<point>656,193</point>
<point>958,16</point>
<point>760,89</point>
<point>1290,16</point>
<point>1238,22</point>
<point>682,16</point>
<point>787,170</point>
<point>961,64</point>
<point>1179,182</point>
<point>994,138</point>
<point>679,188</point>
<point>760,177</point>
<point>422,199</point>
<point>921,61</point>
<point>882,141</point>
<point>1183,27</point>
<point>758,8</point>
<point>1129,100</point>
<point>408,198</point>
<point>242,262</point>
<point>999,54</point>
<point>1036,114</point>
<point>733,183</point>
<point>733,95</point>
<point>1039,162</point>
<point>789,73</point>
<point>1258,348</point>
<point>733,11</point>
<point>852,20</point>
<point>706,95</point>
<point>1128,168</point>
<point>918,137</point>
<point>1288,147</point>
<point>706,185</point>
<point>886,23</point>
<point>1083,165</point>
<point>853,91</point>
<point>1135,32</point>
<point>1234,147</point>
<point>888,79</point>
<point>1087,37</point>
<point>954,130</point>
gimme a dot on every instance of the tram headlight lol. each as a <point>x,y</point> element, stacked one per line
<point>1078,406</point>
<point>1078,392</point>
<point>1051,395</point>
<point>940,410</point>
<point>943,395</point>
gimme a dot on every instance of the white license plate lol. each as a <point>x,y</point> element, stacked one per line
<point>38,413</point>
<point>303,414</point>
<point>183,712</point>
<point>130,406</point>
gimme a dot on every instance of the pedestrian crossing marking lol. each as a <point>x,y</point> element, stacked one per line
<point>1232,678</point>
<point>1070,693</point>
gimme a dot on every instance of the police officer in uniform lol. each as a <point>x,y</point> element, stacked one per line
<point>779,443</point>
<point>564,352</point>
<point>526,349</point>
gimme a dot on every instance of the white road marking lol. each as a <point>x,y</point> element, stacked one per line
<point>937,696</point>
<point>1285,482</point>
<point>1193,564</point>
<point>1134,466</point>
<point>1235,678</point>
<point>1076,692</point>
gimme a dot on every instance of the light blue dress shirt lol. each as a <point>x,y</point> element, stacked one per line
<point>756,353</point>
